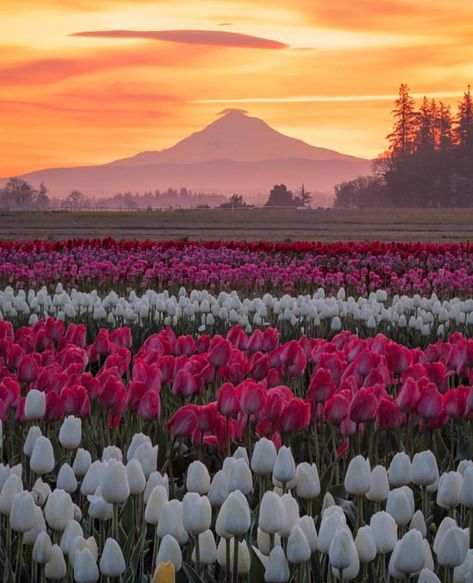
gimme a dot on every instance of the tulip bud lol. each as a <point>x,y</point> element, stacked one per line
<point>244,558</point>
<point>308,483</point>
<point>428,576</point>
<point>22,514</point>
<point>453,547</point>
<point>112,563</point>
<point>35,405</point>
<point>236,514</point>
<point>197,513</point>
<point>115,488</point>
<point>340,551</point>
<point>155,479</point>
<point>298,550</point>
<point>358,476</point>
<point>112,452</point>
<point>169,550</point>
<point>400,470</point>
<point>292,513</point>
<point>379,487</point>
<point>284,470</point>
<point>56,567</point>
<point>410,557</point>
<point>99,508</point>
<point>40,492</point>
<point>241,454</point>
<point>66,479</point>
<point>448,493</point>
<point>147,455</point>
<point>418,523</point>
<point>82,462</point>
<point>164,573</point>
<point>198,478</point>
<point>30,536</point>
<point>263,540</point>
<point>264,457</point>
<point>171,519</point>
<point>384,531</point>
<point>218,491</point>
<point>13,486</point>
<point>365,544</point>
<point>272,514</point>
<point>70,432</point>
<point>208,548</point>
<point>399,506</point>
<point>424,468</point>
<point>155,503</point>
<point>307,524</point>
<point>85,567</point>
<point>445,525</point>
<point>33,433</point>
<point>462,573</point>
<point>42,549</point>
<point>72,530</point>
<point>277,567</point>
<point>333,518</point>
<point>136,441</point>
<point>136,477</point>
<point>466,490</point>
<point>42,458</point>
<point>59,510</point>
<point>240,478</point>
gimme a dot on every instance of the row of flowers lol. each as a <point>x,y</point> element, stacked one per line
<point>411,320</point>
<point>259,516</point>
<point>325,397</point>
<point>250,268</point>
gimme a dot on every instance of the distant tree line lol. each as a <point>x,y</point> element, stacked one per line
<point>280,196</point>
<point>19,195</point>
<point>429,161</point>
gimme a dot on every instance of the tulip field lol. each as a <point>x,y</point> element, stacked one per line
<point>236,412</point>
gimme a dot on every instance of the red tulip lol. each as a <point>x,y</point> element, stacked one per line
<point>112,393</point>
<point>186,384</point>
<point>321,386</point>
<point>296,415</point>
<point>408,396</point>
<point>149,406</point>
<point>185,345</point>
<point>388,415</point>
<point>206,417</point>
<point>275,403</point>
<point>16,354</point>
<point>184,421</point>
<point>219,353</point>
<point>252,397</point>
<point>228,400</point>
<point>54,407</point>
<point>454,402</point>
<point>363,406</point>
<point>256,342</point>
<point>430,403</point>
<point>270,339</point>
<point>121,337</point>
<point>75,401</point>
<point>294,359</point>
<point>336,408</point>
<point>259,366</point>
<point>398,357</point>
<point>202,344</point>
<point>237,337</point>
<point>28,369</point>
<point>9,392</point>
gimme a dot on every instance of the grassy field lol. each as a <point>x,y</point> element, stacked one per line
<point>248,225</point>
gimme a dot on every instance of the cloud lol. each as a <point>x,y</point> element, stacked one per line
<point>199,37</point>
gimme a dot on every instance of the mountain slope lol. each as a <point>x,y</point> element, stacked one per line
<point>235,136</point>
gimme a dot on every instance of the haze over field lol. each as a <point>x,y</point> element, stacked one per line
<point>236,153</point>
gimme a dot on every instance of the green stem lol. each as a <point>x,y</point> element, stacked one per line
<point>227,562</point>
<point>19,557</point>
<point>235,559</point>
<point>197,553</point>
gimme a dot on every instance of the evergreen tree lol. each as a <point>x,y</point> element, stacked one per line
<point>402,138</point>
<point>464,130</point>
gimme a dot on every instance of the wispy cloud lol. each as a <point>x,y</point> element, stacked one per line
<point>329,98</point>
<point>199,37</point>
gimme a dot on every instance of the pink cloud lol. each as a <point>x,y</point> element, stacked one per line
<point>200,37</point>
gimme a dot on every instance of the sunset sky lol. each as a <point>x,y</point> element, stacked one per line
<point>89,81</point>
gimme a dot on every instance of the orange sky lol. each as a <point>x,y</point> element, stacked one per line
<point>324,71</point>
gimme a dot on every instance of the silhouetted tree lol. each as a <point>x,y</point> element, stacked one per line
<point>402,137</point>
<point>20,195</point>
<point>281,196</point>
<point>76,200</point>
<point>464,130</point>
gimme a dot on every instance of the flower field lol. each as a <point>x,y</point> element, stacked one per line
<point>236,412</point>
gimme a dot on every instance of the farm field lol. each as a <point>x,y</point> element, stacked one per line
<point>292,412</point>
<point>245,225</point>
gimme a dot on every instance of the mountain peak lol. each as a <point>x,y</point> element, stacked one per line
<point>233,110</point>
